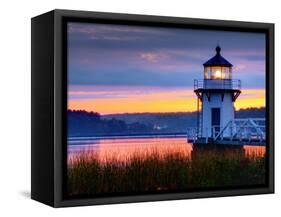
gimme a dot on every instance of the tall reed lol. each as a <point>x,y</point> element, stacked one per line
<point>90,175</point>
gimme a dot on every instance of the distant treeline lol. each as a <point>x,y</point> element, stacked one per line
<point>83,123</point>
<point>250,113</point>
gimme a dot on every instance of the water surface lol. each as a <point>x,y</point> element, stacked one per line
<point>124,148</point>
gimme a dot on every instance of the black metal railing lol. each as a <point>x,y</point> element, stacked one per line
<point>217,84</point>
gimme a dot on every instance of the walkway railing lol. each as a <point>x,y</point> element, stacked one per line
<point>243,129</point>
<point>252,129</point>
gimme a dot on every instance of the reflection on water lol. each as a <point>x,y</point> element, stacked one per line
<point>123,149</point>
<point>258,151</point>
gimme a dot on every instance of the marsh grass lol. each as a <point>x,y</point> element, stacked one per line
<point>155,171</point>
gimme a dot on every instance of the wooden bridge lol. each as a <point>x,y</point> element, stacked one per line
<point>250,131</point>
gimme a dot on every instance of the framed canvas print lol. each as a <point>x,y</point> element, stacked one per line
<point>131,108</point>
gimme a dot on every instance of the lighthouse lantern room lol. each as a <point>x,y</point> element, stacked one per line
<point>216,94</point>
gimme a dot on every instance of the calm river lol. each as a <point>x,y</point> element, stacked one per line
<point>123,148</point>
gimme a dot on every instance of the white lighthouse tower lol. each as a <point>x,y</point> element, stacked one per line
<point>216,94</point>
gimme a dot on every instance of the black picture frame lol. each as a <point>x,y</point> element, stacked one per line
<point>49,101</point>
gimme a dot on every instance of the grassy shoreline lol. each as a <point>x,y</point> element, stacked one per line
<point>87,175</point>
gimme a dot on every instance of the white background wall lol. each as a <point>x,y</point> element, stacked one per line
<point>15,107</point>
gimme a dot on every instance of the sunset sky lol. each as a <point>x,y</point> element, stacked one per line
<point>128,69</point>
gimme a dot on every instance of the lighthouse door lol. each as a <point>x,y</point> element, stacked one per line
<point>216,119</point>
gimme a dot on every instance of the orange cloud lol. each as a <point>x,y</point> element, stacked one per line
<point>110,106</point>
<point>179,100</point>
<point>250,98</point>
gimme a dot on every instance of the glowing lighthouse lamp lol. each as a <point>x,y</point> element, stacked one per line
<point>216,94</point>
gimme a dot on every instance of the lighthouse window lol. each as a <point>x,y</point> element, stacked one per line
<point>224,73</point>
<point>211,73</point>
<point>206,73</point>
<point>217,72</point>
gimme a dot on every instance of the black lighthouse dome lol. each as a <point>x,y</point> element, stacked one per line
<point>217,60</point>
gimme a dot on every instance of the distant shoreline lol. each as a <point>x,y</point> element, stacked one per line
<point>82,139</point>
<point>163,135</point>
